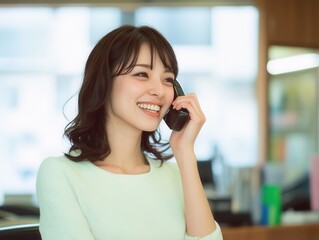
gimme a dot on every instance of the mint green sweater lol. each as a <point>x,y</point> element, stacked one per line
<point>81,201</point>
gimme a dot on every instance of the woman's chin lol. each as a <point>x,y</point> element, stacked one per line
<point>150,128</point>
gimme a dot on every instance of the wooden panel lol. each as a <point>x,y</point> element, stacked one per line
<point>296,232</point>
<point>292,22</point>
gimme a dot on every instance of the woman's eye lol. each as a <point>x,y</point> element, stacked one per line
<point>169,81</point>
<point>141,74</point>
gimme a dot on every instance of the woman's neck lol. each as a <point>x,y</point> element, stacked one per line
<point>126,155</point>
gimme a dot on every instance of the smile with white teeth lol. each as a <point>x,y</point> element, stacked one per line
<point>149,107</point>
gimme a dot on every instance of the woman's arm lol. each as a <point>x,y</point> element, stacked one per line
<point>199,218</point>
<point>60,214</point>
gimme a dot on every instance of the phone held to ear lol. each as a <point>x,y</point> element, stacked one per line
<point>176,119</point>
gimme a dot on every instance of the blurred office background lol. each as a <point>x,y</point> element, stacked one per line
<point>257,119</point>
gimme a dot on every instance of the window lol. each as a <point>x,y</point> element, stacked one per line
<point>42,55</point>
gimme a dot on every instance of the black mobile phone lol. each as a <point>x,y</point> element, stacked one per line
<point>174,119</point>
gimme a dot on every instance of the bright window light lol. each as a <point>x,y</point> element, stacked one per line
<point>293,64</point>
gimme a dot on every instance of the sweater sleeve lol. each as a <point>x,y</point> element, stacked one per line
<point>216,235</point>
<point>60,214</point>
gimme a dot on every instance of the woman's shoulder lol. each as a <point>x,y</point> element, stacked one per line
<point>168,166</point>
<point>57,165</point>
<point>55,161</point>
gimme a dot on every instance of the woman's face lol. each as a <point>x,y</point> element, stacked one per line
<point>141,98</point>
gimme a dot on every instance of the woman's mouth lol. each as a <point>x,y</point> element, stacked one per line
<point>149,107</point>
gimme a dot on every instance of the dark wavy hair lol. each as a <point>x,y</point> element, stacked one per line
<point>115,54</point>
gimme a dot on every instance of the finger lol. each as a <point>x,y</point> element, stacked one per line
<point>190,99</point>
<point>194,114</point>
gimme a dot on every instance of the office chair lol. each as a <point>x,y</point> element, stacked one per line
<point>20,232</point>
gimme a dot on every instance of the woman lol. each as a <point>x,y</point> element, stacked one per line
<point>115,182</point>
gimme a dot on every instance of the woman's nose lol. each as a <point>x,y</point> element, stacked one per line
<point>156,88</point>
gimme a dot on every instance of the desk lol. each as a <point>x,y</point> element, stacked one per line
<point>288,232</point>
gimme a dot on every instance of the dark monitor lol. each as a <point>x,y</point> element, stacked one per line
<point>205,170</point>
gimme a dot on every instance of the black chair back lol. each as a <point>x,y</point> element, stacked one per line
<point>20,232</point>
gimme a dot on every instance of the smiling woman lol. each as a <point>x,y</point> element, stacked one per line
<point>137,47</point>
<point>115,170</point>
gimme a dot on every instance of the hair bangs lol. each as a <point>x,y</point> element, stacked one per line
<point>130,51</point>
<point>129,59</point>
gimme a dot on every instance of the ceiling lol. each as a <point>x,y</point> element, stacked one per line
<point>130,2</point>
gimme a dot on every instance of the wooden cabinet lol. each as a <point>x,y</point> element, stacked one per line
<point>293,232</point>
<point>292,22</point>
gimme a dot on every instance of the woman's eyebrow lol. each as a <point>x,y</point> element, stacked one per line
<point>167,69</point>
<point>142,65</point>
